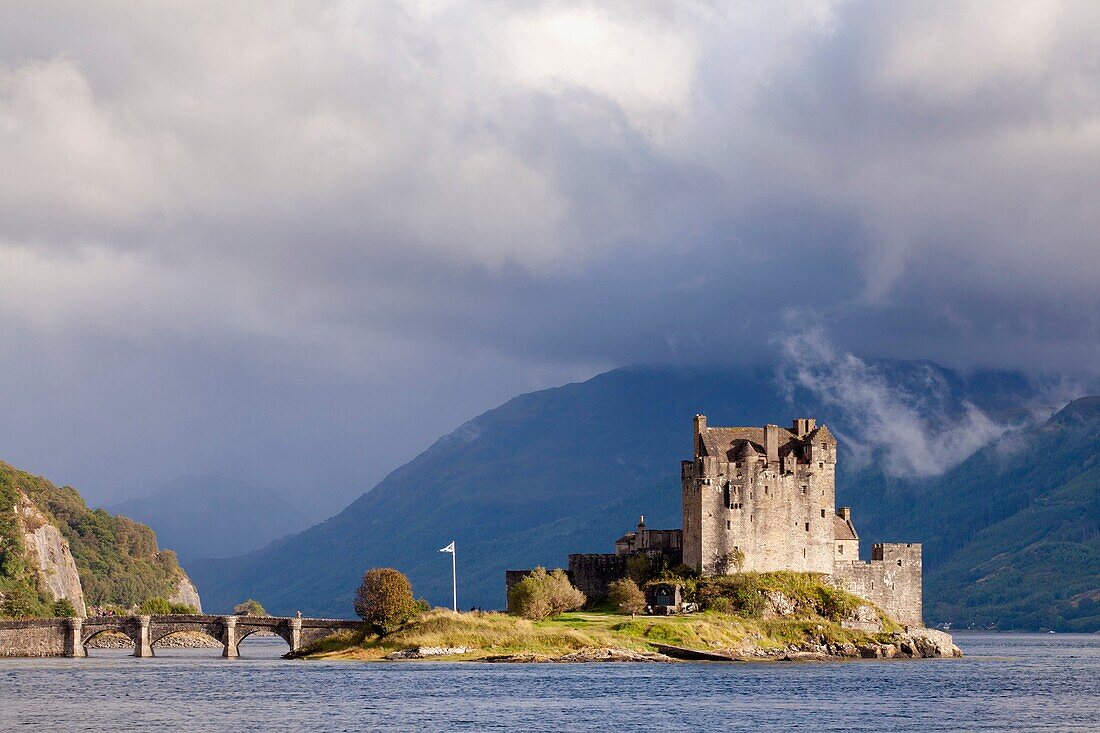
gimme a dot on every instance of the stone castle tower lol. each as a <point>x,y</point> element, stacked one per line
<point>764,499</point>
<point>760,499</point>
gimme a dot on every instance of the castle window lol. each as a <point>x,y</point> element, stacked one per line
<point>727,524</point>
<point>840,549</point>
<point>803,490</point>
<point>803,552</point>
<point>807,526</point>
<point>822,513</point>
<point>821,465</point>
<point>899,563</point>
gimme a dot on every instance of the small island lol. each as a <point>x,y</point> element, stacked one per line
<point>764,568</point>
<point>748,617</point>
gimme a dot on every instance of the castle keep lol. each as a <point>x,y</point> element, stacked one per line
<point>763,499</point>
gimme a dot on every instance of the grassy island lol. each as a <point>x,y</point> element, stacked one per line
<point>763,616</point>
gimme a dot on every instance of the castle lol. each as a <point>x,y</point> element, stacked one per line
<point>764,499</point>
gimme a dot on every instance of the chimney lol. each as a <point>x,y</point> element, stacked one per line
<point>803,426</point>
<point>700,423</point>
<point>845,513</point>
<point>771,443</point>
<point>641,523</point>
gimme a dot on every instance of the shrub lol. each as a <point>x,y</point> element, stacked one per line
<point>733,562</point>
<point>251,607</point>
<point>542,595</point>
<point>21,603</point>
<point>741,594</point>
<point>155,606</point>
<point>63,608</point>
<point>385,599</point>
<point>183,609</point>
<point>626,596</point>
<point>639,568</point>
<point>835,604</point>
<point>529,598</point>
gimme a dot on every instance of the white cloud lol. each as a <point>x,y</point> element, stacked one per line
<point>909,431</point>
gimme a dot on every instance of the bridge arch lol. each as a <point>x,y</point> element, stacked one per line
<point>246,632</point>
<point>162,627</point>
<point>87,638</point>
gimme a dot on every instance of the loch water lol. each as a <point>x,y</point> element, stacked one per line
<point>1007,682</point>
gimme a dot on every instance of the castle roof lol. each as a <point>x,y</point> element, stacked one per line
<point>720,441</point>
<point>843,529</point>
<point>735,442</point>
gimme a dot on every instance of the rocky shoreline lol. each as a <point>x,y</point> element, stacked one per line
<point>911,644</point>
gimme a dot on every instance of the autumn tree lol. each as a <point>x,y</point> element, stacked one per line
<point>543,595</point>
<point>251,607</point>
<point>385,599</point>
<point>626,596</point>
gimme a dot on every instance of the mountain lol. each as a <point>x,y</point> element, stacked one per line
<point>212,516</point>
<point>54,548</point>
<point>1012,535</point>
<point>569,469</point>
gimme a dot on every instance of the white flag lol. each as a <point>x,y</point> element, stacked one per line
<point>449,548</point>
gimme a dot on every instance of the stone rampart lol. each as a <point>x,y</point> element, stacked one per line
<point>592,573</point>
<point>891,580</point>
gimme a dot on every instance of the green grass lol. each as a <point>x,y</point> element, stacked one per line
<point>491,634</point>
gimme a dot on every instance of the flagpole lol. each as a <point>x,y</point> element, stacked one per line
<point>454,574</point>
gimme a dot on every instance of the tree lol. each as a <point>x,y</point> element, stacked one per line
<point>542,595</point>
<point>626,596</point>
<point>563,596</point>
<point>156,606</point>
<point>639,568</point>
<point>530,598</point>
<point>250,607</point>
<point>63,608</point>
<point>385,599</point>
<point>20,603</point>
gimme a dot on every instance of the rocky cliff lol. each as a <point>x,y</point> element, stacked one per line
<point>55,551</point>
<point>49,554</point>
<point>186,594</point>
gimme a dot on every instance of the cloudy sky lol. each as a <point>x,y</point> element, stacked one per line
<point>295,242</point>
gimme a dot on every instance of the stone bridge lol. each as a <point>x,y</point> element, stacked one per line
<point>67,637</point>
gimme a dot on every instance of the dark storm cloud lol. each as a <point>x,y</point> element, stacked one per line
<point>299,243</point>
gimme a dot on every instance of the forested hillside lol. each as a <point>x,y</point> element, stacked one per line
<point>117,559</point>
<point>1012,536</point>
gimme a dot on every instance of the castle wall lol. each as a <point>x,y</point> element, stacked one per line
<point>591,574</point>
<point>891,580</point>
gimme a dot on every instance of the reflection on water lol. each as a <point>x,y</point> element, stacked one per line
<point>1008,682</point>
